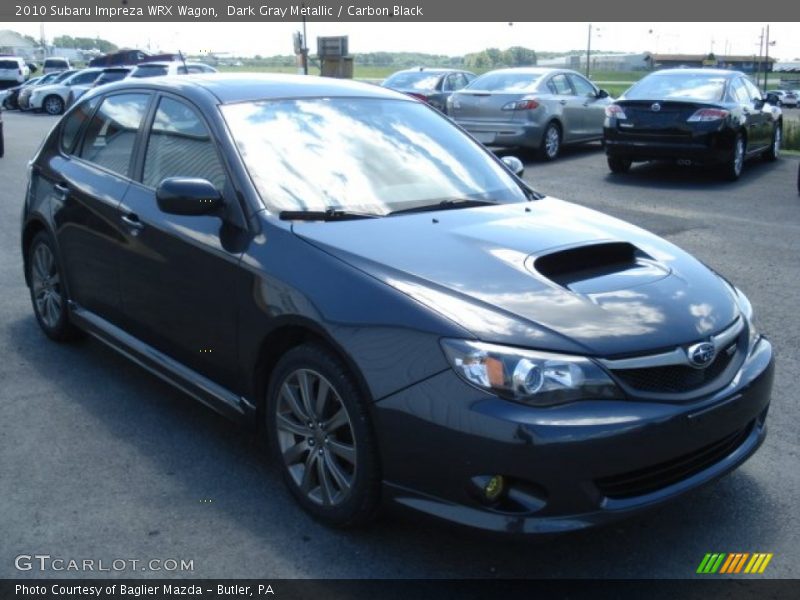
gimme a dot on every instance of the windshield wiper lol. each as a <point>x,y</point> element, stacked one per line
<point>331,214</point>
<point>445,205</point>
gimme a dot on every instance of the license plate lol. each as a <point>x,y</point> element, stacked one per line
<point>485,138</point>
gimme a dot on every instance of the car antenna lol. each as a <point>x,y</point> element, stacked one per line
<point>183,60</point>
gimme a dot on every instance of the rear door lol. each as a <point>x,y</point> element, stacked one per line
<point>178,272</point>
<point>761,114</point>
<point>93,176</point>
<point>565,102</point>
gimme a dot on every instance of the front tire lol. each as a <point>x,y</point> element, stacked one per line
<point>48,295</point>
<point>321,436</point>
<point>53,105</point>
<point>551,142</point>
<point>732,169</point>
<point>618,164</point>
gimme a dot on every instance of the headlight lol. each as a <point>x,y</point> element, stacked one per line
<point>530,376</point>
<point>747,313</point>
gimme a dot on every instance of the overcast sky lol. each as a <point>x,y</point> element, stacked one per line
<point>247,39</point>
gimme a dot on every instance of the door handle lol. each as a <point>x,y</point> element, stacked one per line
<point>562,101</point>
<point>62,191</point>
<point>132,221</point>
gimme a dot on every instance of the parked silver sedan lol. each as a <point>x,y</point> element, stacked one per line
<point>531,107</point>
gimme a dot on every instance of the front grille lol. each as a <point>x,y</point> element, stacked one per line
<point>656,477</point>
<point>676,379</point>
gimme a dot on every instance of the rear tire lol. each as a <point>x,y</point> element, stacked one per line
<point>732,169</point>
<point>321,436</point>
<point>618,164</point>
<point>47,290</point>
<point>774,150</point>
<point>551,142</point>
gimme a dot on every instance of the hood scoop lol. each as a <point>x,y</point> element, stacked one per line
<point>598,267</point>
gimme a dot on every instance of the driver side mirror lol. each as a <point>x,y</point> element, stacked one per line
<point>602,94</point>
<point>187,196</point>
<point>772,99</point>
<point>514,165</point>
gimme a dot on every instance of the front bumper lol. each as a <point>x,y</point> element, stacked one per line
<point>568,467</point>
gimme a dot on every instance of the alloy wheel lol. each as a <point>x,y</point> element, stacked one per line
<point>552,141</point>
<point>315,437</point>
<point>53,105</point>
<point>46,283</point>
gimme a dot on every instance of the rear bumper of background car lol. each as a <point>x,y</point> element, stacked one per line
<point>714,147</point>
<point>565,467</point>
<point>505,133</point>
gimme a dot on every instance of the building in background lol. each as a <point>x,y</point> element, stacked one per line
<point>13,44</point>
<point>749,64</point>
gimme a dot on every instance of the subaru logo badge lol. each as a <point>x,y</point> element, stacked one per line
<point>655,107</point>
<point>701,355</point>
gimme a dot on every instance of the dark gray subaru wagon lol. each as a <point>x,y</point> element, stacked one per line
<point>389,304</point>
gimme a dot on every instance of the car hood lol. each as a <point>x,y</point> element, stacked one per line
<point>544,274</point>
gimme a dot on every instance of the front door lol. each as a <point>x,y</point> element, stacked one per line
<point>179,273</point>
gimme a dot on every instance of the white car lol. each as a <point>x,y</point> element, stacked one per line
<point>785,97</point>
<point>52,99</point>
<point>158,68</point>
<point>55,63</point>
<point>13,71</point>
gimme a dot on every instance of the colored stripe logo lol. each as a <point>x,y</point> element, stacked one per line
<point>735,562</point>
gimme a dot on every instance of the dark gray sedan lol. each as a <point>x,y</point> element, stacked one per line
<point>531,107</point>
<point>433,86</point>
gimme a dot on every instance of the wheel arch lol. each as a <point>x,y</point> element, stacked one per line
<point>289,333</point>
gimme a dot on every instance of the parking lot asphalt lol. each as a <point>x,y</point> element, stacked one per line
<point>100,460</point>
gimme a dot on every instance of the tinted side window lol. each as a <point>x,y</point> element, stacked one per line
<point>180,146</point>
<point>559,85</point>
<point>582,87</point>
<point>755,93</point>
<point>111,133</point>
<point>739,92</point>
<point>74,122</point>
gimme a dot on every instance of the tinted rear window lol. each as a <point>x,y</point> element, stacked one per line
<point>149,71</point>
<point>505,82</point>
<point>691,86</point>
<point>9,64</point>
<point>413,81</point>
<point>56,62</point>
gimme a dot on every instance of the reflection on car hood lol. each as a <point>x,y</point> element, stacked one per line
<point>482,268</point>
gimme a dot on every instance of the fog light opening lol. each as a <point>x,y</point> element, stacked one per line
<point>495,488</point>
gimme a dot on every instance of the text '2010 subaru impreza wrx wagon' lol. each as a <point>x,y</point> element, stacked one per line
<point>401,316</point>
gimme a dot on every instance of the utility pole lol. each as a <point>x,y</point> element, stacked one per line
<point>766,63</point>
<point>305,45</point>
<point>589,51</point>
<point>760,54</point>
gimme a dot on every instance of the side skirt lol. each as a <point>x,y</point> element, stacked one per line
<point>164,367</point>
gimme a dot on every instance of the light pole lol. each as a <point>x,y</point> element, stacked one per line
<point>589,49</point>
<point>766,62</point>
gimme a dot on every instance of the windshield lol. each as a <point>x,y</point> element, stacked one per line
<point>419,80</point>
<point>361,155</point>
<point>505,82</point>
<point>692,86</point>
<point>62,76</point>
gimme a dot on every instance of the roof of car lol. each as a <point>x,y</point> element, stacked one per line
<point>718,72</point>
<point>430,70</point>
<point>243,87</point>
